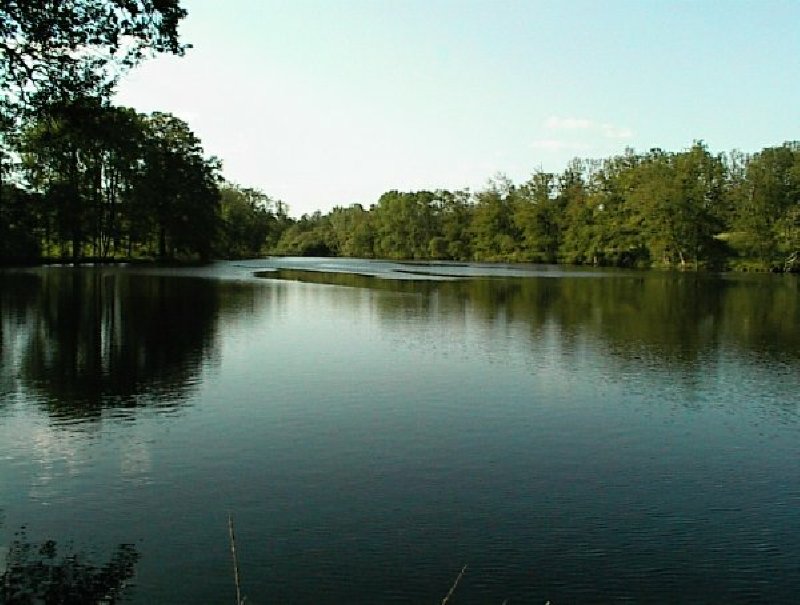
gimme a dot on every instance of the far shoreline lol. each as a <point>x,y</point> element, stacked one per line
<point>92,261</point>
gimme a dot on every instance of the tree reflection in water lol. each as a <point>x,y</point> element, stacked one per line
<point>87,340</point>
<point>40,573</point>
<point>675,317</point>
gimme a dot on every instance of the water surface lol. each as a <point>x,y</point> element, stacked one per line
<point>573,436</point>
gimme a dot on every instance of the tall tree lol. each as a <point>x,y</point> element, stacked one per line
<point>578,214</point>
<point>179,188</point>
<point>455,216</point>
<point>537,218</point>
<point>495,236</point>
<point>768,202</point>
<point>81,156</point>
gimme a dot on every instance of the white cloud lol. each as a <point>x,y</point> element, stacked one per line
<point>615,132</point>
<point>560,145</point>
<point>605,129</point>
<point>558,123</point>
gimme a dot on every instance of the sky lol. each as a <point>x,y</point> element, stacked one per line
<point>324,103</point>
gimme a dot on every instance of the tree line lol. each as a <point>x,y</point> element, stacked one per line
<point>686,209</point>
<point>82,178</point>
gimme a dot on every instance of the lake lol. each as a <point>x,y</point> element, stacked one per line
<point>571,435</point>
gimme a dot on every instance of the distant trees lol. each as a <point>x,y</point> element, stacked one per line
<point>667,205</point>
<point>452,240</point>
<point>352,231</point>
<point>405,223</point>
<point>80,177</point>
<point>537,218</point>
<point>251,222</point>
<point>767,204</point>
<point>686,209</point>
<point>492,228</point>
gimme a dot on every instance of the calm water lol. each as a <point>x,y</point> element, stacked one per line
<point>372,427</point>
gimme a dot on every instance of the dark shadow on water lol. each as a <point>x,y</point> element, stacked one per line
<point>85,340</point>
<point>91,341</point>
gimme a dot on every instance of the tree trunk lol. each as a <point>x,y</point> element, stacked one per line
<point>162,243</point>
<point>76,246</point>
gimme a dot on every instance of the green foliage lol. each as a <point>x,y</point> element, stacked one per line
<point>251,222</point>
<point>404,224</point>
<point>353,231</point>
<point>494,234</point>
<point>113,182</point>
<point>180,187</point>
<point>80,156</point>
<point>688,210</point>
<point>672,205</point>
<point>766,201</point>
<point>309,236</point>
<point>100,180</point>
<point>537,216</point>
<point>55,51</point>
<point>581,217</point>
<point>455,215</point>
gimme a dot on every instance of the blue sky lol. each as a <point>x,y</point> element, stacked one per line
<point>324,103</point>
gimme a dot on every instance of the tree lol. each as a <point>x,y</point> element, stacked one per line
<point>618,235</point>
<point>768,201</point>
<point>248,222</point>
<point>311,235</point>
<point>578,224</point>
<point>353,231</point>
<point>455,216</point>
<point>696,220</point>
<point>536,217</point>
<point>20,217</point>
<point>54,50</point>
<point>404,224</point>
<point>56,54</point>
<point>178,188</point>
<point>495,236</point>
<point>81,156</point>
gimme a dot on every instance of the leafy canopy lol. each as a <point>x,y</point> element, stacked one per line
<point>51,50</point>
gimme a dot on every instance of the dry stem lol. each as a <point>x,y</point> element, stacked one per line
<point>453,587</point>
<point>239,600</point>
